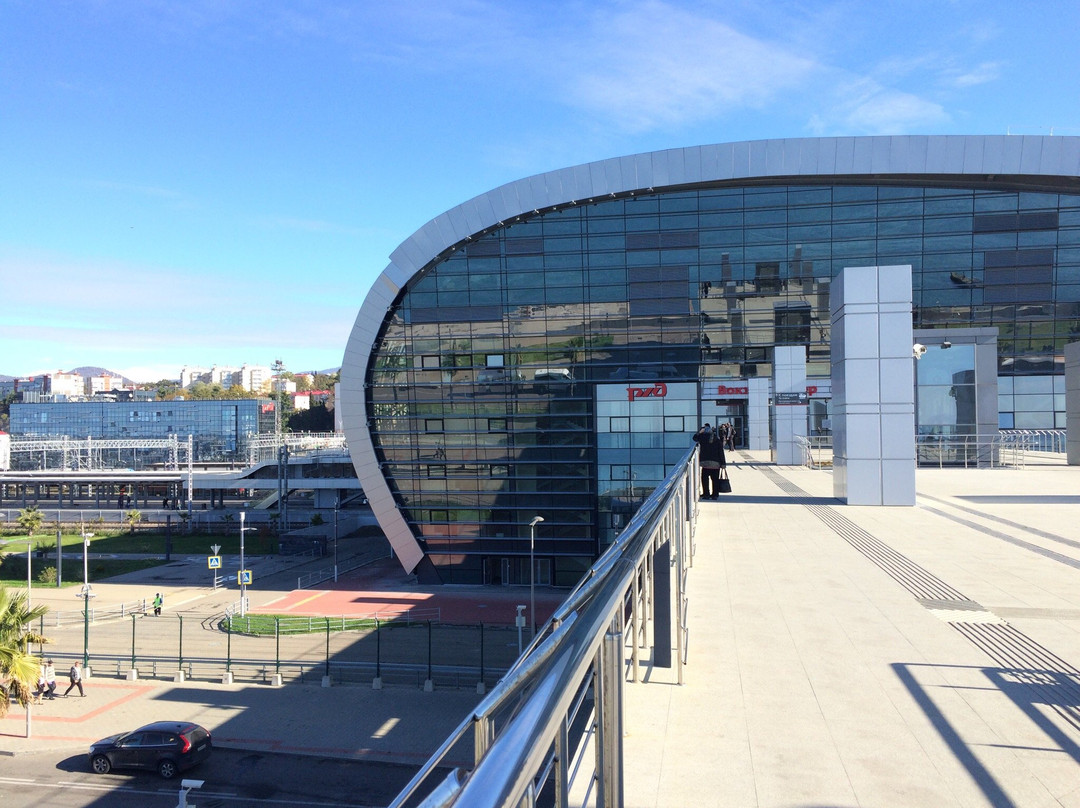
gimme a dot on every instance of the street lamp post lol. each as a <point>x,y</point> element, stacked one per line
<point>337,504</point>
<point>243,586</point>
<point>29,545</point>
<point>532,574</point>
<point>86,594</point>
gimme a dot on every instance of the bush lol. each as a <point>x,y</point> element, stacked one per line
<point>47,576</point>
<point>316,520</point>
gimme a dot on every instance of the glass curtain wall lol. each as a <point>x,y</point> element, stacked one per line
<point>482,384</point>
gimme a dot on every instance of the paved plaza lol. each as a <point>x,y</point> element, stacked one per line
<point>859,656</point>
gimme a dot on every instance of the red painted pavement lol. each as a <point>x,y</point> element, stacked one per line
<point>384,590</point>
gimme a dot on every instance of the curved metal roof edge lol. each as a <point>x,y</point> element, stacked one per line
<point>917,155</point>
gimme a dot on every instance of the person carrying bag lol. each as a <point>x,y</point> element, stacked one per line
<point>712,461</point>
<point>725,482</point>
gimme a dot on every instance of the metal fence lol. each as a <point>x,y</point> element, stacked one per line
<point>1038,440</point>
<point>994,450</point>
<point>1006,448</point>
<point>395,649</point>
<point>817,450</point>
<point>553,726</point>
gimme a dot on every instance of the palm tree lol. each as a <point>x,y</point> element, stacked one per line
<point>133,517</point>
<point>30,519</point>
<point>18,667</point>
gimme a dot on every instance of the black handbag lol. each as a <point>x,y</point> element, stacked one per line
<point>725,483</point>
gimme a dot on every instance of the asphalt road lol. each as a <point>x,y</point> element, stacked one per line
<point>233,779</point>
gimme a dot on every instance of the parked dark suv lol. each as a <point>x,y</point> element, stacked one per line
<point>167,746</point>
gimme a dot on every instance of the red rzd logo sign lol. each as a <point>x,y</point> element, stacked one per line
<point>657,391</point>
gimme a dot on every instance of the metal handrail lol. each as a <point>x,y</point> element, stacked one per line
<point>522,730</point>
<point>1039,440</point>
<point>991,450</point>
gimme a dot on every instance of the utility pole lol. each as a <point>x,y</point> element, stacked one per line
<point>278,368</point>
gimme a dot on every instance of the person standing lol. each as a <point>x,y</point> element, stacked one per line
<point>75,679</point>
<point>157,605</point>
<point>711,460</point>
<point>729,436</point>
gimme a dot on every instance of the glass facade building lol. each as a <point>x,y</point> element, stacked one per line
<point>548,348</point>
<point>219,428</point>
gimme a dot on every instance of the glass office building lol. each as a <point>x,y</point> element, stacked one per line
<point>548,348</point>
<point>219,428</point>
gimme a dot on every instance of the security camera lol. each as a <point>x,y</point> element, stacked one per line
<point>946,344</point>
<point>917,350</point>
<point>192,783</point>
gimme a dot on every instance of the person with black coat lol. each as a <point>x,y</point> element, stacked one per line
<point>711,459</point>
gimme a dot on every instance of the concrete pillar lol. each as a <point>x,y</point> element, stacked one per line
<point>789,404</point>
<point>1072,403</point>
<point>757,414</point>
<point>873,386</point>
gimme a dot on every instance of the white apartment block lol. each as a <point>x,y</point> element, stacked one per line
<point>222,375</point>
<point>255,377</point>
<point>64,384</point>
<point>92,385</point>
<point>190,375</point>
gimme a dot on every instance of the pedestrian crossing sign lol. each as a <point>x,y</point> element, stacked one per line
<point>213,562</point>
<point>243,577</point>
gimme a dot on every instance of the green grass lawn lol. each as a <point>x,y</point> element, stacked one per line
<point>118,543</point>
<point>264,624</point>
<point>13,569</point>
<point>113,541</point>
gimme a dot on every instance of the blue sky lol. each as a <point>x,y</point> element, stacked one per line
<point>219,182</point>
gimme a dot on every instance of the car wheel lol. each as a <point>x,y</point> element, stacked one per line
<point>100,764</point>
<point>167,769</point>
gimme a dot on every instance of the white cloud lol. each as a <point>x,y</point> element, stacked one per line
<point>864,106</point>
<point>655,64</point>
<point>980,74</point>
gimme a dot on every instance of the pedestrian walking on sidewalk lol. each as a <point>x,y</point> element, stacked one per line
<point>75,679</point>
<point>48,680</point>
<point>157,605</point>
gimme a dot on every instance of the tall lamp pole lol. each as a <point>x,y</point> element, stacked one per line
<point>337,504</point>
<point>26,645</point>
<point>532,574</point>
<point>86,594</point>
<point>243,586</point>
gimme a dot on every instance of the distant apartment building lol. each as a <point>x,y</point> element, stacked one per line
<point>28,384</point>
<point>69,385</point>
<point>310,398</point>
<point>190,375</point>
<point>253,378</point>
<point>93,385</point>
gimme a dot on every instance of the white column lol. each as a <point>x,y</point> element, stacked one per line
<point>789,403</point>
<point>1072,403</point>
<point>873,386</point>
<point>757,414</point>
